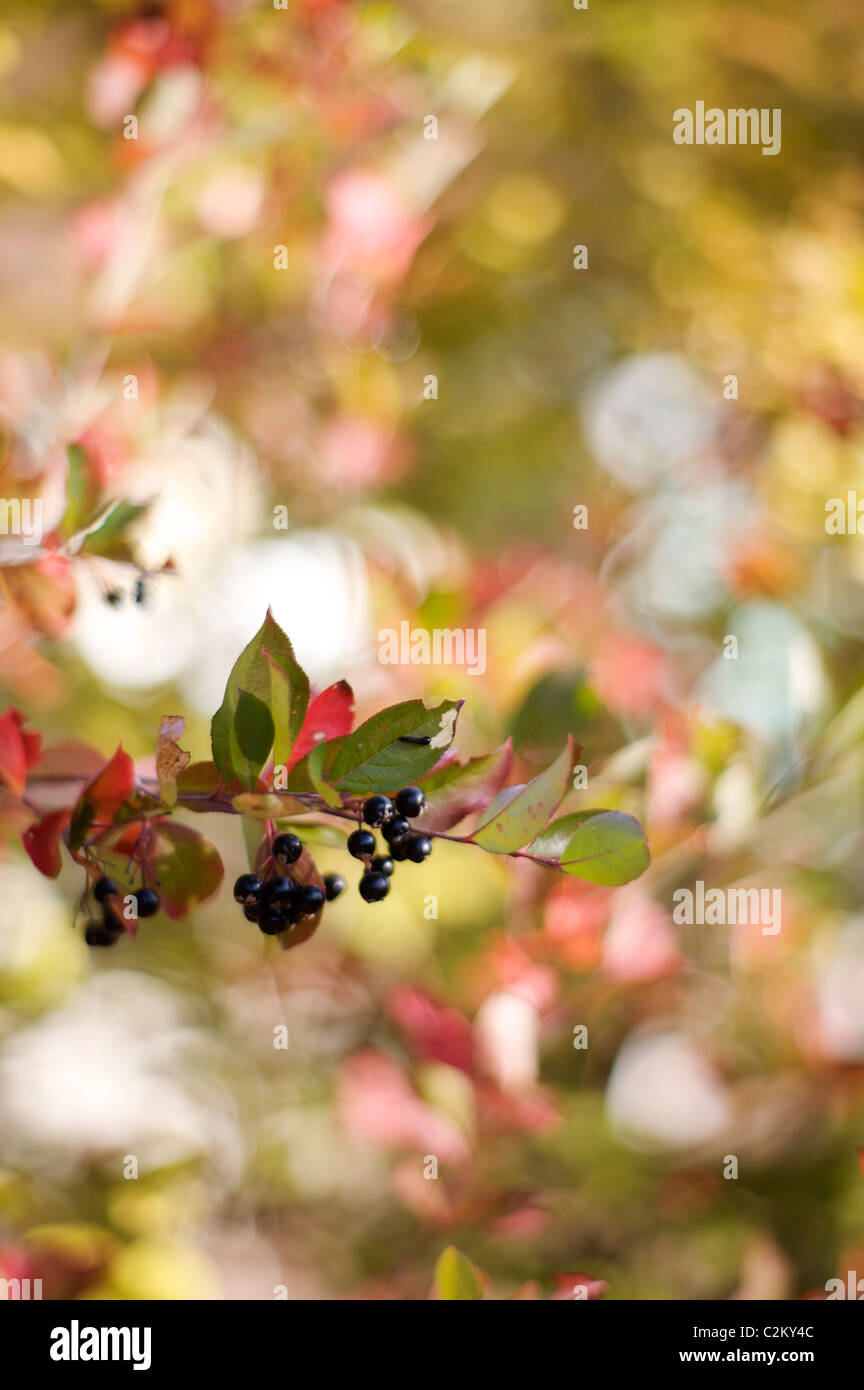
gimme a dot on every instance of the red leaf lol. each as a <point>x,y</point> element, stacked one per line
<point>126,839</point>
<point>42,842</point>
<point>112,786</point>
<point>102,797</point>
<point>18,750</point>
<point>330,715</point>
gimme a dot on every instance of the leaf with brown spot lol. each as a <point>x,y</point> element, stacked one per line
<point>171,760</point>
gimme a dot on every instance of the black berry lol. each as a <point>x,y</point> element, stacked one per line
<point>95,934</point>
<point>334,884</point>
<point>248,886</point>
<point>396,830</point>
<point>410,801</point>
<point>310,900</point>
<point>111,922</point>
<point>399,851</point>
<point>361,844</point>
<point>377,810</point>
<point>147,902</point>
<point>418,848</point>
<point>374,887</point>
<point>252,911</point>
<point>382,864</point>
<point>272,919</point>
<point>105,889</point>
<point>281,890</point>
<point>287,848</point>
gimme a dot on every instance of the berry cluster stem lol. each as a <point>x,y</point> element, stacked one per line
<point>350,813</point>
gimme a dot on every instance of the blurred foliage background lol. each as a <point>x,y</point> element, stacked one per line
<point>350,370</point>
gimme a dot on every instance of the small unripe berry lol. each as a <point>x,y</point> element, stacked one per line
<point>287,848</point>
<point>334,884</point>
<point>418,848</point>
<point>310,900</point>
<point>361,844</point>
<point>374,887</point>
<point>105,888</point>
<point>248,886</point>
<point>382,864</point>
<point>147,902</point>
<point>377,810</point>
<point>410,802</point>
<point>396,830</point>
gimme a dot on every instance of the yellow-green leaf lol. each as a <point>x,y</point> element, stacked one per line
<point>518,814</point>
<point>456,1278</point>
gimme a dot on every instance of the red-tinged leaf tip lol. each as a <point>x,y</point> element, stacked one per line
<point>20,750</point>
<point>113,784</point>
<point>42,842</point>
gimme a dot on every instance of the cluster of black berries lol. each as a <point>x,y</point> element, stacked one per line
<point>110,929</point>
<point>393,820</point>
<point>280,900</point>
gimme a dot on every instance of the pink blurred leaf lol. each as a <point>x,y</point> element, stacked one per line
<point>378,1105</point>
<point>435,1032</point>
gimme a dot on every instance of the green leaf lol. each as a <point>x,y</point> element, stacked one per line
<point>315,768</point>
<point>603,847</point>
<point>82,818</point>
<point>374,759</point>
<point>105,530</point>
<point>77,487</point>
<point>251,737</point>
<point>456,1278</point>
<point>289,700</point>
<point>253,836</point>
<point>519,813</point>
<point>238,734</point>
<point>186,867</point>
